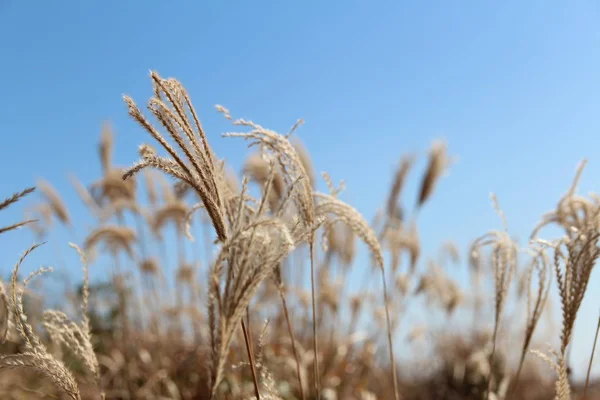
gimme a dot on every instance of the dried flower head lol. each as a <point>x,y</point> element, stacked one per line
<point>438,162</point>
<point>35,355</point>
<point>172,107</point>
<point>11,200</point>
<point>55,202</point>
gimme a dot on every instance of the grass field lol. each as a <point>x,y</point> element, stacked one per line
<point>265,310</point>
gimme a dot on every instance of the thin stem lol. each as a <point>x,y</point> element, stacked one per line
<point>180,263</point>
<point>251,359</point>
<point>125,329</point>
<point>389,334</point>
<point>118,283</point>
<point>489,383</point>
<point>293,339</point>
<point>516,382</point>
<point>249,324</point>
<point>587,378</point>
<point>140,274</point>
<point>314,321</point>
<point>207,242</point>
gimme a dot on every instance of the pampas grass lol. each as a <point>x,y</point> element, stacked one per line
<point>242,324</point>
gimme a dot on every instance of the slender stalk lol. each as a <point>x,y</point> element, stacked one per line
<point>314,321</point>
<point>389,335</point>
<point>249,325</point>
<point>489,381</point>
<point>145,288</point>
<point>207,242</point>
<point>475,285</point>
<point>298,266</point>
<point>587,378</point>
<point>516,382</point>
<point>121,296</point>
<point>137,303</point>
<point>125,328</point>
<point>293,339</point>
<point>251,359</point>
<point>178,286</point>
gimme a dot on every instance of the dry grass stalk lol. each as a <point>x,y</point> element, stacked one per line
<point>268,241</point>
<point>105,148</point>
<point>304,159</point>
<point>35,355</point>
<point>439,288</point>
<point>573,271</point>
<point>114,237</point>
<point>283,152</point>
<point>272,185</point>
<point>15,197</point>
<point>85,195</point>
<point>559,365</point>
<point>151,188</point>
<point>589,370</point>
<point>4,315</point>
<point>449,251</point>
<point>175,211</point>
<point>76,337</point>
<point>279,148</point>
<point>572,211</point>
<point>281,291</point>
<point>348,250</point>
<point>16,226</point>
<point>579,260</point>
<point>118,207</point>
<point>11,200</point>
<point>111,188</point>
<point>535,306</point>
<point>438,162</point>
<point>575,256</point>
<point>54,200</point>
<point>504,261</point>
<point>329,205</point>
<point>400,238</point>
<point>42,221</point>
<point>170,106</point>
<point>200,174</point>
<point>393,209</point>
<point>258,169</point>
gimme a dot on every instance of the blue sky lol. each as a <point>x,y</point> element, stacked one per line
<point>514,88</point>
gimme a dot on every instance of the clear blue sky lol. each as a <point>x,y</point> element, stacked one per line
<point>514,87</point>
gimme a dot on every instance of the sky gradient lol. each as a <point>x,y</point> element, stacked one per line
<point>514,89</point>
